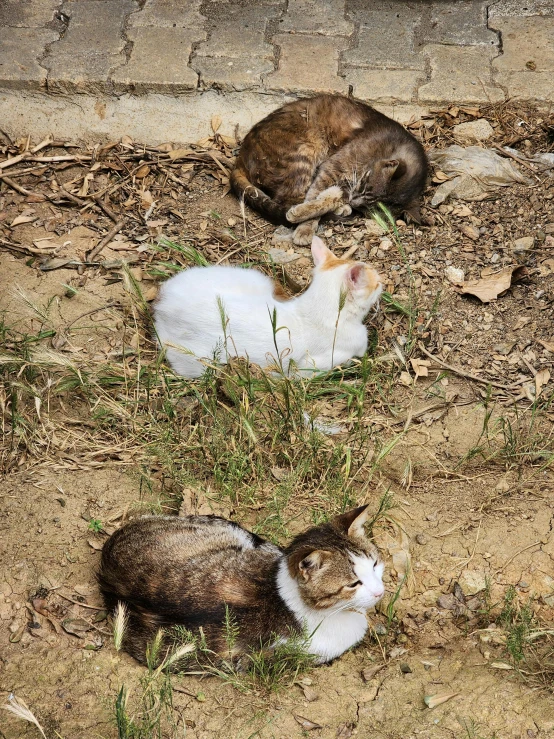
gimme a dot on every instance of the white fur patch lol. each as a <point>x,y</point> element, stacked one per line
<point>370,574</point>
<point>331,632</point>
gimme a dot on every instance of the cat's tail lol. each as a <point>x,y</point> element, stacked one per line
<point>256,198</point>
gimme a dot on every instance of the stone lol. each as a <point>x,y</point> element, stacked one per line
<point>316,16</point>
<point>384,85</point>
<point>525,243</point>
<point>308,63</point>
<point>232,74</point>
<point>27,13</point>
<point>502,8</point>
<point>159,61</point>
<point>386,37</point>
<point>462,23</point>
<point>473,131</point>
<point>525,41</point>
<point>92,46</point>
<point>20,50</point>
<point>169,14</point>
<point>472,581</point>
<point>460,73</point>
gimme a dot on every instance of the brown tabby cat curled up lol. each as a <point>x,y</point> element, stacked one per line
<point>192,570</point>
<point>328,154</point>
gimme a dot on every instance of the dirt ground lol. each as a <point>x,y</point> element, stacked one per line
<point>470,467</point>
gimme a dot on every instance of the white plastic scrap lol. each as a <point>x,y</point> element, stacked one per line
<point>475,173</point>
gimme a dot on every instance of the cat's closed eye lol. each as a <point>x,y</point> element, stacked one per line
<point>354,584</point>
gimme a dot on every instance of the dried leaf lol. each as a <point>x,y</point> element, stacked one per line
<point>180,153</point>
<point>142,172</point>
<point>76,626</point>
<point>345,731</point>
<point>431,701</point>
<point>501,666</point>
<point>309,694</point>
<point>97,545</point>
<point>405,379</point>
<point>470,231</point>
<point>368,673</point>
<point>306,724</point>
<point>216,123</point>
<point>542,378</point>
<point>420,367</point>
<point>548,345</point>
<point>22,219</point>
<point>489,288</point>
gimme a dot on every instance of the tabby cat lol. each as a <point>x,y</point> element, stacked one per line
<point>192,571</point>
<point>328,154</point>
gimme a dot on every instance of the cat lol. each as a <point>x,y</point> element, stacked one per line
<point>328,154</point>
<point>206,310</point>
<point>187,571</point>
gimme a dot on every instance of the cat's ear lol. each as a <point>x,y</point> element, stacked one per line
<point>352,522</point>
<point>312,562</point>
<point>390,166</point>
<point>357,276</point>
<point>320,252</point>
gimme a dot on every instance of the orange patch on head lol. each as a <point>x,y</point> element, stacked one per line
<point>332,262</point>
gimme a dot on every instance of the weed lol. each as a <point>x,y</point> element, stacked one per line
<point>95,525</point>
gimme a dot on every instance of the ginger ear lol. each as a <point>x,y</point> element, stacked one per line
<point>319,251</point>
<point>312,562</point>
<point>352,522</point>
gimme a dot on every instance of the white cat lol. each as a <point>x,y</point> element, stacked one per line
<point>234,312</point>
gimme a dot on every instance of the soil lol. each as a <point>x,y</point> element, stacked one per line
<point>484,525</point>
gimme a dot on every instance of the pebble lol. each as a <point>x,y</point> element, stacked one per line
<point>473,131</point>
<point>405,668</point>
<point>454,275</point>
<point>421,539</point>
<point>525,243</point>
<point>380,630</point>
<point>495,258</point>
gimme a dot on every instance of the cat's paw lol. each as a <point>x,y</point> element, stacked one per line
<point>304,233</point>
<point>300,212</point>
<point>343,210</point>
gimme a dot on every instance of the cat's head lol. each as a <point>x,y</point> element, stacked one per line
<point>355,283</point>
<point>373,184</point>
<point>336,566</point>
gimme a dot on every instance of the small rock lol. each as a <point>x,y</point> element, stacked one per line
<point>523,584</point>
<point>280,256</point>
<point>380,630</point>
<point>473,131</point>
<point>421,539</point>
<point>454,275</point>
<point>282,235</point>
<point>495,258</point>
<point>405,668</point>
<point>526,243</point>
<point>504,348</point>
<point>373,228</point>
<point>385,244</point>
<point>472,581</point>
